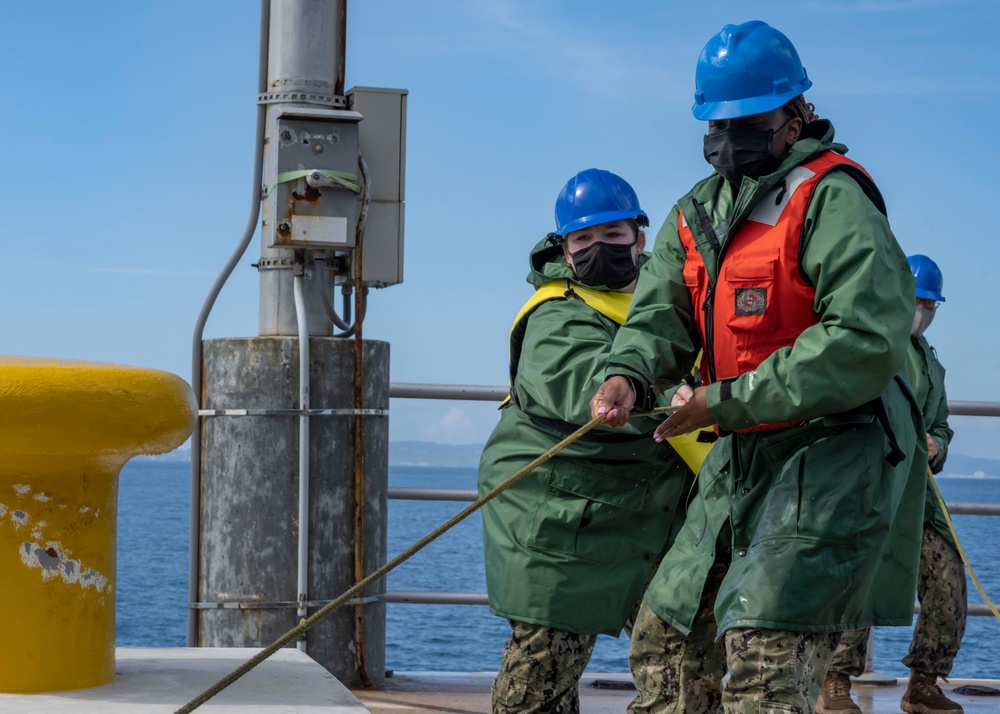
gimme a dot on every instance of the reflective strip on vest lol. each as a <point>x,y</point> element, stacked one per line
<point>613,305</point>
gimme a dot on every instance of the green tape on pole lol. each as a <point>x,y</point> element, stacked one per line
<point>343,178</point>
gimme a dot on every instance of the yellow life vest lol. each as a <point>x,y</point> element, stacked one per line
<point>614,306</point>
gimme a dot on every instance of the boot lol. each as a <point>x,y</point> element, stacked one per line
<point>836,695</point>
<point>924,696</point>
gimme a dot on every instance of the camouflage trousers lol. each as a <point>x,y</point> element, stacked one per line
<point>540,670</point>
<point>850,655</point>
<point>770,671</point>
<point>941,590</point>
<point>944,605</point>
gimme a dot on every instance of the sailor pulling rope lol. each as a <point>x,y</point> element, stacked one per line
<point>328,609</point>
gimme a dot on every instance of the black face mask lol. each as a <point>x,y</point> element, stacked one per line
<point>610,265</point>
<point>735,153</point>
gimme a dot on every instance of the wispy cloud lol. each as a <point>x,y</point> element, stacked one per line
<point>595,61</point>
<point>873,6</point>
<point>457,426</point>
<point>149,271</point>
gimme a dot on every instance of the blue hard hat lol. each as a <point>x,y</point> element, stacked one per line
<point>930,282</point>
<point>595,196</point>
<point>747,69</point>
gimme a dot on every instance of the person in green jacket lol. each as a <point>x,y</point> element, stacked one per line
<point>807,517</point>
<point>941,586</point>
<point>570,547</point>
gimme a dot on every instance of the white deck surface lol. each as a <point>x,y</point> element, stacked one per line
<point>469,693</point>
<point>162,679</point>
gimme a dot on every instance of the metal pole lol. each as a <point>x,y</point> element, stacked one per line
<point>303,62</point>
<point>302,568</point>
<point>194,534</point>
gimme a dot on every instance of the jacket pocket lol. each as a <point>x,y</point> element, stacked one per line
<point>754,307</point>
<point>588,514</point>
<point>824,489</point>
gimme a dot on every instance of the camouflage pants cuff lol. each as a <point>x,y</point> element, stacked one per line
<point>674,672</point>
<point>943,597</point>
<point>540,671</point>
<point>850,655</point>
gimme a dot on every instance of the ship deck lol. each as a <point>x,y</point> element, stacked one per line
<point>469,693</point>
<point>162,679</point>
<point>159,680</point>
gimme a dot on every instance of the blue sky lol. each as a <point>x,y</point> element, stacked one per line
<point>128,152</point>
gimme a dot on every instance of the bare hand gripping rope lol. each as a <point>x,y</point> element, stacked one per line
<point>328,609</point>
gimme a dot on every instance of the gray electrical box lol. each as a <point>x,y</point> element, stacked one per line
<point>383,145</point>
<point>312,199</point>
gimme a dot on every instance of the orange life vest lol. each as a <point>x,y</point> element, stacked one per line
<point>760,301</point>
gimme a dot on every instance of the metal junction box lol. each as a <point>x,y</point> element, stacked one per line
<point>310,202</point>
<point>383,144</point>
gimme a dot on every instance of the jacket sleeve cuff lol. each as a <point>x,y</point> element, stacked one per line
<point>724,404</point>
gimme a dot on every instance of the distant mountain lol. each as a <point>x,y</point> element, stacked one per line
<point>962,465</point>
<point>426,453</point>
<point>401,453</point>
<point>177,455</point>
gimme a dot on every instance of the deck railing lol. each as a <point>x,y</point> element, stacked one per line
<point>485,393</point>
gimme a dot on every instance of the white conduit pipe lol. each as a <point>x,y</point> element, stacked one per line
<point>303,562</point>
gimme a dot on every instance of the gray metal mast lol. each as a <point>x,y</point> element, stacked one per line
<point>303,66</point>
<point>289,472</point>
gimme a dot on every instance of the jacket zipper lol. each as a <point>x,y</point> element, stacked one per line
<point>709,309</point>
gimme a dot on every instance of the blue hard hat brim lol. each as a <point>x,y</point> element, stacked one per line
<point>736,108</point>
<point>598,218</point>
<point>928,295</point>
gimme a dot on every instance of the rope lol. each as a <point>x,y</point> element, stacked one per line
<point>961,552</point>
<point>328,609</point>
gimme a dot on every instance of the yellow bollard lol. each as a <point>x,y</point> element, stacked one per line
<point>66,429</point>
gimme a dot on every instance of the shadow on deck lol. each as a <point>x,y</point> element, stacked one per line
<point>469,693</point>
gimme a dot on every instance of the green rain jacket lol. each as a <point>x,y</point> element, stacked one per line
<point>572,544</point>
<point>825,534</point>
<point>926,375</point>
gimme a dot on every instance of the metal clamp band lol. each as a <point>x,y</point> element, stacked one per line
<point>302,96</point>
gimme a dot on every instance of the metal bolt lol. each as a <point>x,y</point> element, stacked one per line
<point>317,148</point>
<point>284,227</point>
<point>286,135</point>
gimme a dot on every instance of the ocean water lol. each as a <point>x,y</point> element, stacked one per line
<point>152,576</point>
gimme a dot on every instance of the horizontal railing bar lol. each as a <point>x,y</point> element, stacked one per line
<point>974,509</point>
<point>488,393</point>
<point>475,392</point>
<point>435,597</point>
<point>428,597</point>
<point>433,494</point>
<point>978,609</point>
<point>961,408</point>
<point>470,495</point>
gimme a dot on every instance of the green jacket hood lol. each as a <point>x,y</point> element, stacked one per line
<point>817,137</point>
<point>547,263</point>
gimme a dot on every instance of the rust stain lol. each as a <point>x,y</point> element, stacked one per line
<point>312,195</point>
